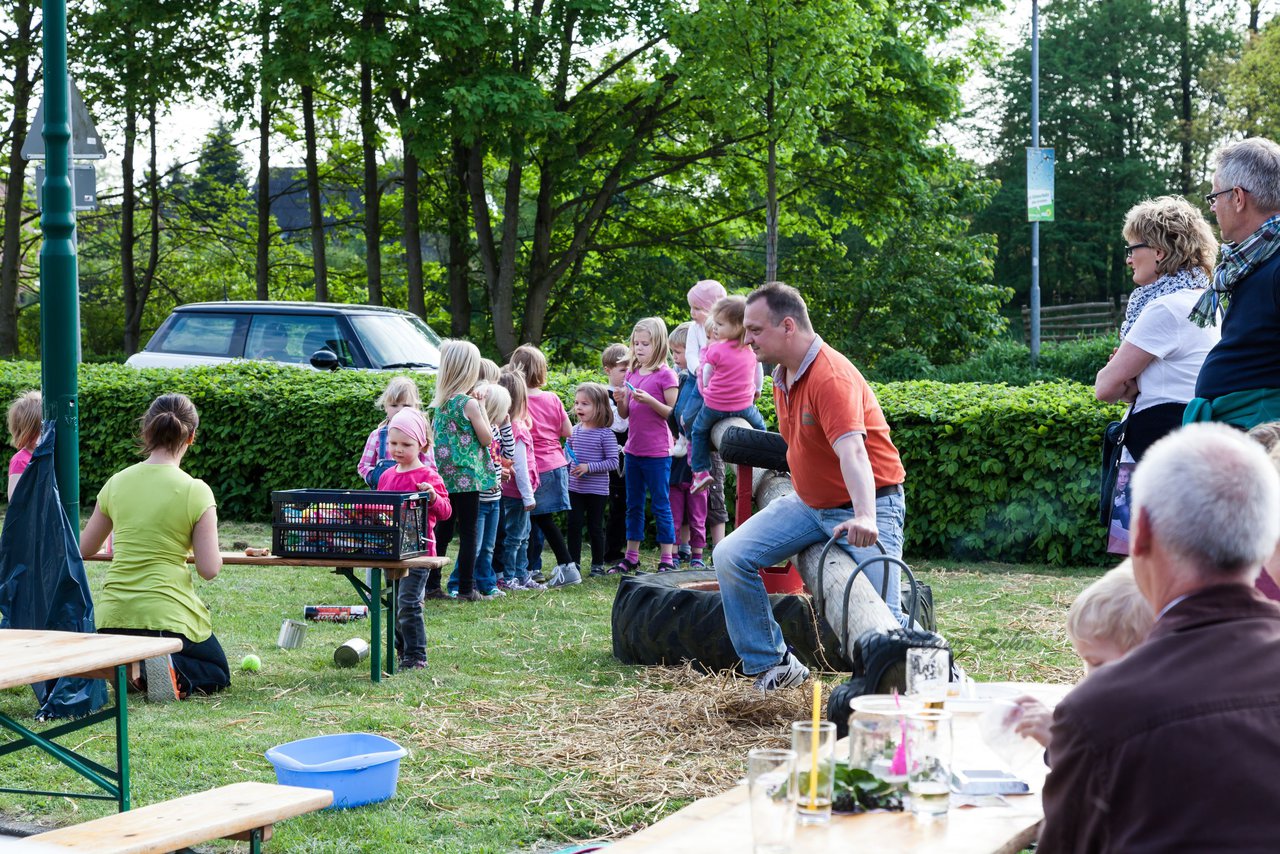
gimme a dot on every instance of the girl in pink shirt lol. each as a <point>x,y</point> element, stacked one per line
<point>549,425</point>
<point>24,431</point>
<point>648,395</point>
<point>727,380</point>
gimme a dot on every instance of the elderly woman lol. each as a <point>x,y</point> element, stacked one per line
<point>1171,251</point>
<point>157,513</point>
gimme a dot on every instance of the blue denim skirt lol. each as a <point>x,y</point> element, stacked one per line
<point>552,494</point>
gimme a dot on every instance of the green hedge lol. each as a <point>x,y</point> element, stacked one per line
<point>994,472</point>
<point>997,472</point>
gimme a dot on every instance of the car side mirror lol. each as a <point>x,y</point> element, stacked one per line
<point>325,360</point>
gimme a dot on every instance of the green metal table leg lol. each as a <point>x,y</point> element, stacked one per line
<point>375,626</point>
<point>122,736</point>
<point>255,841</point>
<point>393,597</point>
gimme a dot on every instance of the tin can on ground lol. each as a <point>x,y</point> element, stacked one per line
<point>351,653</point>
<point>335,613</point>
<point>292,633</point>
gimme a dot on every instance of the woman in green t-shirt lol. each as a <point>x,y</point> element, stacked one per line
<point>156,513</point>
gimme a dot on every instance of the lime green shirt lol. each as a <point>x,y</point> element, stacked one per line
<point>153,509</point>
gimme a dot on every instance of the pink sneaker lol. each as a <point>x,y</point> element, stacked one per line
<point>701,480</point>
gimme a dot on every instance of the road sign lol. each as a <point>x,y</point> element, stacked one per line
<point>84,187</point>
<point>85,142</point>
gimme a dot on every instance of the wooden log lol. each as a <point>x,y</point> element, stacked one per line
<point>866,609</point>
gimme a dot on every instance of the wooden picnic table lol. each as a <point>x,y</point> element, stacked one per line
<point>28,657</point>
<point>722,823</point>
<point>372,594</point>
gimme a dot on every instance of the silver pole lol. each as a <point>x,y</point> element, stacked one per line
<point>1035,143</point>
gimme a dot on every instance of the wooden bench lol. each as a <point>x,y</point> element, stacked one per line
<point>238,811</point>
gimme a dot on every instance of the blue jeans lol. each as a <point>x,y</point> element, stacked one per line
<point>649,474</point>
<point>701,432</point>
<point>411,633</point>
<point>515,532</point>
<point>776,533</point>
<point>486,537</point>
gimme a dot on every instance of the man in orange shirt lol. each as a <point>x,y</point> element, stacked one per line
<point>847,475</point>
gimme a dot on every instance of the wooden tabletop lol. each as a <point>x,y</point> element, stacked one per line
<point>723,823</point>
<point>29,656</point>
<point>241,559</point>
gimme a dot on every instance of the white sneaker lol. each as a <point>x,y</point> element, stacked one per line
<point>680,448</point>
<point>564,575</point>
<point>787,674</point>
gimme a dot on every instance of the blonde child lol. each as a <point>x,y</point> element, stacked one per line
<point>497,407</point>
<point>688,508</point>
<point>400,393</point>
<point>1108,618</point>
<point>489,371</point>
<point>462,456</point>
<point>518,492</point>
<point>25,415</point>
<point>651,388</point>
<point>549,424</point>
<point>409,440</point>
<point>594,453</point>
<point>728,382</point>
<point>614,361</point>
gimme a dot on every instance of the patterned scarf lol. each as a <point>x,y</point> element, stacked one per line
<point>1237,262</point>
<point>1184,279</point>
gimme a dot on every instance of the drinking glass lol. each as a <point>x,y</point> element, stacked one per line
<point>928,672</point>
<point>929,763</point>
<point>877,732</point>
<point>815,771</point>
<point>773,799</point>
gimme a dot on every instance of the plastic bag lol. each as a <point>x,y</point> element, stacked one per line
<point>42,579</point>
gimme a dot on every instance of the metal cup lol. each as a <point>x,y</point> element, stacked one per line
<point>351,653</point>
<point>292,633</point>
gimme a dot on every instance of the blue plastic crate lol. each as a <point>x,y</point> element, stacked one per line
<point>358,767</point>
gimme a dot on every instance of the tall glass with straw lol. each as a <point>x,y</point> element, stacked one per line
<point>814,743</point>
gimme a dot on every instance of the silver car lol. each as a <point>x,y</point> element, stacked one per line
<point>324,336</point>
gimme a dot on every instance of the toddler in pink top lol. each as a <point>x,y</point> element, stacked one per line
<point>727,380</point>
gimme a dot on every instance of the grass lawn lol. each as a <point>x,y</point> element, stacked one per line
<point>525,734</point>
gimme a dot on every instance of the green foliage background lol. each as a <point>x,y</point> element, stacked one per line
<point>993,471</point>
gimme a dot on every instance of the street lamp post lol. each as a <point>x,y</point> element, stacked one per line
<point>1035,143</point>
<point>59,290</point>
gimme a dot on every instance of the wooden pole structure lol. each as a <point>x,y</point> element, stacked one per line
<point>866,609</point>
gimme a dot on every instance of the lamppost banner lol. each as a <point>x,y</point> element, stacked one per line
<point>1039,185</point>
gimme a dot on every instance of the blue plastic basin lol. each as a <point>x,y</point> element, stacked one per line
<point>358,767</point>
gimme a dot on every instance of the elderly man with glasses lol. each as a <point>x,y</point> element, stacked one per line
<point>1239,383</point>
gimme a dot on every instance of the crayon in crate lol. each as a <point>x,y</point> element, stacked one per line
<point>348,524</point>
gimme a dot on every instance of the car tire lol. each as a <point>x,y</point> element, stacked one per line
<point>673,617</point>
<point>756,448</point>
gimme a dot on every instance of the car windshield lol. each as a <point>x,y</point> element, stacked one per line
<point>393,340</point>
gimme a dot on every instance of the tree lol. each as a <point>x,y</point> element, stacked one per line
<point>1113,115</point>
<point>1251,85</point>
<point>20,45</point>
<point>220,181</point>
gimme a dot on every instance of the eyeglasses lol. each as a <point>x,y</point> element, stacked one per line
<point>1132,247</point>
<point>1210,198</point>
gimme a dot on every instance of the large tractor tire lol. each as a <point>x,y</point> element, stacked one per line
<point>673,617</point>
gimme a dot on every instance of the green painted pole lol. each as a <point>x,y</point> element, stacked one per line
<point>59,287</point>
